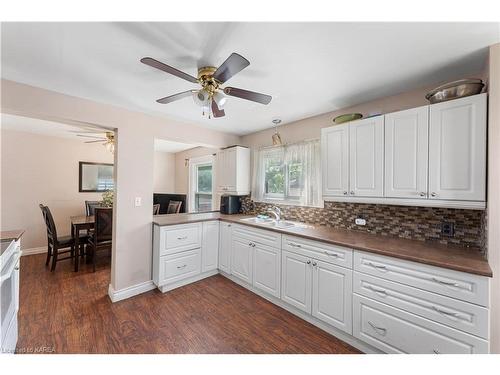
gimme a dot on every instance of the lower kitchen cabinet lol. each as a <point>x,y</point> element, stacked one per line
<point>210,246</point>
<point>396,331</point>
<point>332,295</point>
<point>242,259</point>
<point>296,280</point>
<point>225,233</point>
<point>266,269</point>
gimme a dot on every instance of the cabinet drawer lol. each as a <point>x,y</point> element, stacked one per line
<point>451,312</point>
<point>179,266</point>
<point>340,256</point>
<point>264,237</point>
<point>180,238</point>
<point>459,285</point>
<point>396,331</point>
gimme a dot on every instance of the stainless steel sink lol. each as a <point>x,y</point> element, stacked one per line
<point>282,224</point>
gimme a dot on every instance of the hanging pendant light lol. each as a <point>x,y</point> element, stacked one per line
<point>276,136</point>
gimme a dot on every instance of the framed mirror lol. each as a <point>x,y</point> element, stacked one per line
<point>95,177</point>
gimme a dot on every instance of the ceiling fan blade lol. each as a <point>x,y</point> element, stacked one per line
<point>173,98</point>
<point>89,136</point>
<point>234,63</point>
<point>216,111</point>
<point>99,140</point>
<point>167,68</point>
<point>248,95</point>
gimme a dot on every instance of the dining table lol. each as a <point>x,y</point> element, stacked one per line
<point>79,223</point>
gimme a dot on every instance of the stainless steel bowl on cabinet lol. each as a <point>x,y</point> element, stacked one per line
<point>454,90</point>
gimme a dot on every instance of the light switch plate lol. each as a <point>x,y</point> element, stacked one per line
<point>138,201</point>
<point>360,221</point>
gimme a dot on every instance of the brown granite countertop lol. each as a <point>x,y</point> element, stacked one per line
<point>10,235</point>
<point>435,254</point>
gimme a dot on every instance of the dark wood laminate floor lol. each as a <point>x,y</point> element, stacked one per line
<point>70,312</point>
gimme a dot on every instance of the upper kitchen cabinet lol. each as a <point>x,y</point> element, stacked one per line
<point>335,160</point>
<point>366,157</point>
<point>406,153</point>
<point>233,170</point>
<point>432,156</point>
<point>457,149</point>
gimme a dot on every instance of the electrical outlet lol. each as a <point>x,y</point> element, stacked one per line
<point>360,221</point>
<point>448,228</point>
<point>138,201</point>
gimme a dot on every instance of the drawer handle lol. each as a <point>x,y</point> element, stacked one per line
<point>376,290</point>
<point>181,267</point>
<point>449,313</point>
<point>251,244</point>
<point>182,238</point>
<point>444,282</point>
<point>293,244</point>
<point>379,330</point>
<point>331,254</point>
<point>377,266</point>
<point>436,351</point>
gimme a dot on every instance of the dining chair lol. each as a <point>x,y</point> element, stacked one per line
<point>101,237</point>
<point>156,209</point>
<point>90,207</point>
<point>174,207</point>
<point>57,245</point>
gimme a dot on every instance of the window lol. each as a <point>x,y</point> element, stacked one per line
<point>203,194</point>
<point>288,174</point>
<point>201,183</point>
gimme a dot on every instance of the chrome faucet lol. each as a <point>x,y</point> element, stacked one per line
<point>276,211</point>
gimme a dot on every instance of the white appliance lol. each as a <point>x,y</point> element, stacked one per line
<point>9,294</point>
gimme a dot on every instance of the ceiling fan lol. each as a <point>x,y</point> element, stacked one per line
<point>108,140</point>
<point>212,96</point>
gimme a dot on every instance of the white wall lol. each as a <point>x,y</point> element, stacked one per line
<point>493,192</point>
<point>43,169</point>
<point>134,160</point>
<point>164,172</point>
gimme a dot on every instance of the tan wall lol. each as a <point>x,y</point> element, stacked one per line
<point>132,250</point>
<point>164,172</point>
<point>310,128</point>
<point>493,192</point>
<point>42,169</point>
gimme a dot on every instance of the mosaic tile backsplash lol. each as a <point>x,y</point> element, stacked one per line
<point>415,223</point>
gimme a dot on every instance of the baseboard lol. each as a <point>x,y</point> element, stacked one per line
<point>351,340</point>
<point>118,295</point>
<point>34,250</point>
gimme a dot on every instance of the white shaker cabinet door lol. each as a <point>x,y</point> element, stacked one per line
<point>242,259</point>
<point>332,295</point>
<point>266,269</point>
<point>296,280</point>
<point>457,149</point>
<point>406,153</point>
<point>210,246</point>
<point>335,160</point>
<point>225,247</point>
<point>366,161</point>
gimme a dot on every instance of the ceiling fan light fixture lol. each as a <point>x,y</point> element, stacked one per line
<point>201,98</point>
<point>220,99</point>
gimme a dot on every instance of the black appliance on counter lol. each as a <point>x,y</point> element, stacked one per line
<point>164,199</point>
<point>230,204</point>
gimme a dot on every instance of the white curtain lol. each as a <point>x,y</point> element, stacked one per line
<point>306,154</point>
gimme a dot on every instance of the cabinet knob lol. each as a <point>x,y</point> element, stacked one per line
<point>422,194</point>
<point>345,192</point>
<point>433,194</point>
<point>315,264</point>
<point>352,192</point>
<point>308,262</point>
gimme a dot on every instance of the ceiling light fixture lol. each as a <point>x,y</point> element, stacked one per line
<point>276,136</point>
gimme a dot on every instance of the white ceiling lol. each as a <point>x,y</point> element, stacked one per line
<point>308,68</point>
<point>163,145</point>
<point>49,128</point>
